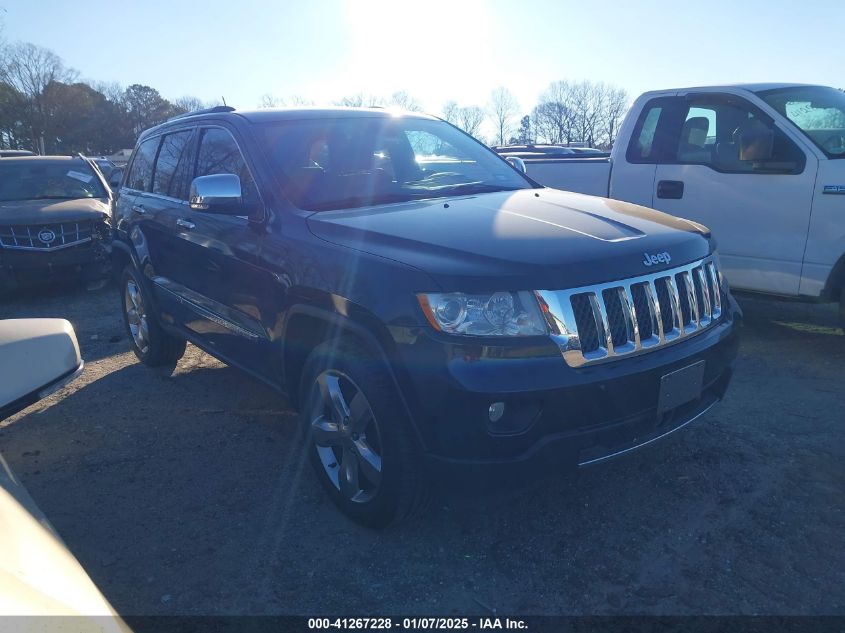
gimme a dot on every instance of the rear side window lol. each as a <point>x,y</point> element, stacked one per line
<point>141,173</point>
<point>219,154</point>
<point>171,169</point>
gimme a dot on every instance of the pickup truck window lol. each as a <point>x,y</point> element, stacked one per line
<point>725,133</point>
<point>345,163</point>
<point>818,111</point>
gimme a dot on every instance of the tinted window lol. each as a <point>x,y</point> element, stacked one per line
<point>219,154</point>
<point>641,149</point>
<point>141,172</point>
<point>170,178</point>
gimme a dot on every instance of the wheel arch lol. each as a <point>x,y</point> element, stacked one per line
<point>307,326</point>
<point>835,284</point>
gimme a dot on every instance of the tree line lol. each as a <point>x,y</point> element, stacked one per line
<point>46,107</point>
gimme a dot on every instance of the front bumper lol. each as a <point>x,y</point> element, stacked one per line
<point>87,262</point>
<point>563,417</point>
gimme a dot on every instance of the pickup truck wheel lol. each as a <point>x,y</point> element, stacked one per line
<point>360,442</point>
<point>151,344</point>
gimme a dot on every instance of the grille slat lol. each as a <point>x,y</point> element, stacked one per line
<point>30,236</point>
<point>617,319</point>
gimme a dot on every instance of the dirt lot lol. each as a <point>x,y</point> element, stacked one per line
<point>187,493</point>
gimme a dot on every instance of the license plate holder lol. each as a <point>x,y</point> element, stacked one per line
<point>680,386</point>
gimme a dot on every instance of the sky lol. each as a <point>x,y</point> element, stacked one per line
<point>436,50</point>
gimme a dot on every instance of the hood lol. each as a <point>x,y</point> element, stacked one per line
<point>534,239</point>
<point>42,211</point>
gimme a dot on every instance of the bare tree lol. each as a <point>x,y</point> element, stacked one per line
<point>360,100</point>
<point>470,119</point>
<point>503,109</point>
<point>554,115</point>
<point>402,99</point>
<point>615,106</point>
<point>111,90</point>
<point>269,101</point>
<point>30,69</point>
<point>189,103</point>
<point>450,112</point>
<point>299,100</point>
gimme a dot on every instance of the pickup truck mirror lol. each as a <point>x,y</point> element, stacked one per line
<point>517,163</point>
<point>37,356</point>
<point>218,193</point>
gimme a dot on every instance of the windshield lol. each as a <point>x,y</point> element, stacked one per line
<point>35,180</point>
<point>343,163</point>
<point>818,111</point>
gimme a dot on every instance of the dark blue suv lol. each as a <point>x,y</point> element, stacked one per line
<point>428,308</point>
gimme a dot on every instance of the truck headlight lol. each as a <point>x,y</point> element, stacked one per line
<point>489,314</point>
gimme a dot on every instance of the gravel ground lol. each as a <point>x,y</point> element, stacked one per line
<point>187,493</point>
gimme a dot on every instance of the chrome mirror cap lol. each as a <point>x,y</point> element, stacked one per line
<point>218,192</point>
<point>517,163</point>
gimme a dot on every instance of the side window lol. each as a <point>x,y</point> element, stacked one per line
<point>219,154</point>
<point>642,147</point>
<point>730,135</point>
<point>171,168</point>
<point>141,172</point>
<point>698,136</point>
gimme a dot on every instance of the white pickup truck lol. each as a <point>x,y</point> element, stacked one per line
<point>763,166</point>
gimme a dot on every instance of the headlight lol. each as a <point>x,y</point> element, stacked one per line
<point>491,314</point>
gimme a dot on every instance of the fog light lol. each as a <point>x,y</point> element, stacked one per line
<point>496,411</point>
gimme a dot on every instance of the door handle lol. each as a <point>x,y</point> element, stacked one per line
<point>185,224</point>
<point>138,209</point>
<point>671,189</point>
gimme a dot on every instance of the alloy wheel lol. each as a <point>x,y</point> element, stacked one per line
<point>346,436</point>
<point>136,316</point>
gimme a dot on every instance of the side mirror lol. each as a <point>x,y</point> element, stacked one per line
<point>37,356</point>
<point>517,163</point>
<point>218,193</point>
<point>115,178</point>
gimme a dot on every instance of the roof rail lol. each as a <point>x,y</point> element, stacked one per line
<point>220,108</point>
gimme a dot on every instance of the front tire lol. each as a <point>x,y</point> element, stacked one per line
<point>360,441</point>
<point>842,309</point>
<point>151,344</point>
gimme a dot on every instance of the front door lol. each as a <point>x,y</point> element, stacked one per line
<point>727,165</point>
<point>213,271</point>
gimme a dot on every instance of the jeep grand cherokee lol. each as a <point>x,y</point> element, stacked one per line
<point>426,306</point>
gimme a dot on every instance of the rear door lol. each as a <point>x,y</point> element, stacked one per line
<point>725,163</point>
<point>160,199</point>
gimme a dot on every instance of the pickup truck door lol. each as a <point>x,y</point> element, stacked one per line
<point>726,164</point>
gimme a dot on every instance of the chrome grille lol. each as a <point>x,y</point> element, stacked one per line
<point>45,237</point>
<point>622,318</point>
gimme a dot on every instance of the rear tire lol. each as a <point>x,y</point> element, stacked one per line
<point>151,344</point>
<point>359,438</point>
